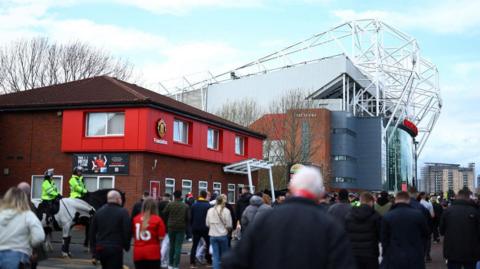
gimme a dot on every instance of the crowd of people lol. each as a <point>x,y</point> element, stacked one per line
<point>305,228</point>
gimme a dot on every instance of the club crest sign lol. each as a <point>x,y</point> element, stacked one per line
<point>161,131</point>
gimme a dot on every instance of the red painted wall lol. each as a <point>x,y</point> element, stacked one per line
<point>140,131</point>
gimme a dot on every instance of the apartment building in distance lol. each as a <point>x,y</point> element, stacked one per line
<point>442,177</point>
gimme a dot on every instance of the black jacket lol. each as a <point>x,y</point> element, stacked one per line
<point>137,208</point>
<point>161,207</point>
<point>363,228</point>
<point>110,227</point>
<point>403,235</point>
<point>297,234</point>
<point>460,223</point>
<point>198,215</point>
<point>242,203</point>
<point>340,210</point>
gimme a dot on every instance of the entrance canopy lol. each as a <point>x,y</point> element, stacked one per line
<point>249,166</point>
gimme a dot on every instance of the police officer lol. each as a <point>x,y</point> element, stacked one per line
<point>50,195</point>
<point>77,185</point>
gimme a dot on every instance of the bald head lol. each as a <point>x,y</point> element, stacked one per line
<point>114,197</point>
<point>25,187</point>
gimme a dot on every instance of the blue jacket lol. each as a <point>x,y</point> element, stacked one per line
<point>198,213</point>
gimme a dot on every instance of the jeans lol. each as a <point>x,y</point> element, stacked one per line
<point>367,262</point>
<point>176,241</point>
<point>110,256</point>
<point>10,259</point>
<point>165,251</point>
<point>461,265</point>
<point>197,235</point>
<point>220,247</point>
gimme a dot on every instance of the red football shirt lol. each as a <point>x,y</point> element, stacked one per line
<point>147,243</point>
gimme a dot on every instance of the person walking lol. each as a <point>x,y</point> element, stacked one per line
<point>176,213</point>
<point>165,249</point>
<point>148,231</point>
<point>198,214</point>
<point>249,213</point>
<point>363,229</point>
<point>425,202</point>
<point>294,235</point>
<point>20,230</point>
<point>383,205</point>
<point>110,232</point>
<point>340,209</point>
<point>242,203</point>
<point>403,234</point>
<point>219,222</point>
<point>460,224</point>
<point>265,206</point>
<point>77,185</point>
<point>438,210</point>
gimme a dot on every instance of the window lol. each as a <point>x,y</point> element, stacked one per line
<point>217,187</point>
<point>305,141</point>
<point>239,145</point>
<point>202,186</point>
<point>213,139</point>
<point>169,185</point>
<point>186,187</point>
<point>93,183</point>
<point>37,185</point>
<point>105,124</point>
<point>343,158</point>
<point>344,131</point>
<point>180,131</point>
<point>240,187</point>
<point>231,194</point>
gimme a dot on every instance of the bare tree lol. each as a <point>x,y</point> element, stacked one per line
<point>292,135</point>
<point>243,112</point>
<point>27,64</point>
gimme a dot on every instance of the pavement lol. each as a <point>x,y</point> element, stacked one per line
<point>82,259</point>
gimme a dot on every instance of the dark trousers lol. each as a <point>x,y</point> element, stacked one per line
<point>367,262</point>
<point>197,235</point>
<point>176,241</point>
<point>461,265</point>
<point>428,246</point>
<point>436,234</point>
<point>147,264</point>
<point>111,257</point>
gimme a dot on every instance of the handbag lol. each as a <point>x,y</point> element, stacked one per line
<point>229,229</point>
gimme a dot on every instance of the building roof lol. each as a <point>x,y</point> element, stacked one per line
<point>106,91</point>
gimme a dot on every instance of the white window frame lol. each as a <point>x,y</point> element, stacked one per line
<point>216,144</point>
<point>167,186</point>
<point>219,189</point>
<point>98,179</point>
<point>60,188</point>
<point>106,123</point>
<point>199,188</point>
<point>191,186</point>
<point>240,138</point>
<point>187,129</point>
<point>234,193</point>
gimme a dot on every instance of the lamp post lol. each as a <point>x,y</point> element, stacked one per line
<point>415,181</point>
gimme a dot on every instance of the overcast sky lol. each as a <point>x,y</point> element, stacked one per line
<point>166,39</point>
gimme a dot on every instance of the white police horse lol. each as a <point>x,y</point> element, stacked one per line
<point>69,210</point>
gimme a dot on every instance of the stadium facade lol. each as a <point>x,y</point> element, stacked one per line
<point>373,79</point>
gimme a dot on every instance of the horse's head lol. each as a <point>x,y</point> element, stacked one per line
<point>99,197</point>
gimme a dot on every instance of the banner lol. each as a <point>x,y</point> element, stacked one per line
<point>155,189</point>
<point>102,163</point>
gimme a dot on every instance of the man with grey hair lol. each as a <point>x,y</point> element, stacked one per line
<point>295,235</point>
<point>110,232</point>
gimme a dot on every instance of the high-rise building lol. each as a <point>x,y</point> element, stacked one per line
<point>442,177</point>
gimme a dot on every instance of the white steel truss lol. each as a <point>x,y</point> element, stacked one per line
<point>247,167</point>
<point>400,83</point>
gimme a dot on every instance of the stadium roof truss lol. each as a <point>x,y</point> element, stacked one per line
<point>400,84</point>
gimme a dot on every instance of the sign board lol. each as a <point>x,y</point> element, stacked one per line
<point>404,186</point>
<point>102,163</point>
<point>155,189</point>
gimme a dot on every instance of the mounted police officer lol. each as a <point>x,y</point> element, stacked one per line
<point>50,196</point>
<point>77,185</point>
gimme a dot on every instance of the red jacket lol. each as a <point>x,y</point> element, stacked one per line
<point>147,243</point>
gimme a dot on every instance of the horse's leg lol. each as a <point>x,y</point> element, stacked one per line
<point>86,243</point>
<point>66,241</point>
<point>48,239</point>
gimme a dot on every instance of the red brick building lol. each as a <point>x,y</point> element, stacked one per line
<point>125,136</point>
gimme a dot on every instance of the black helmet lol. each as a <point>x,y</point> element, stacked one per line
<point>49,173</point>
<point>77,169</point>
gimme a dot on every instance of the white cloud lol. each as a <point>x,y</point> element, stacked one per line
<point>181,7</point>
<point>448,16</point>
